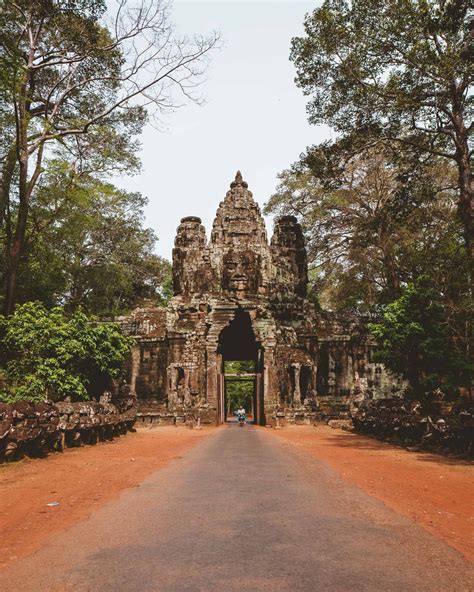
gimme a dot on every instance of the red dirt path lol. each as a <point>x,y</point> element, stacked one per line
<point>81,480</point>
<point>435,492</point>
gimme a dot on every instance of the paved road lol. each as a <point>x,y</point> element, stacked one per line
<point>242,511</point>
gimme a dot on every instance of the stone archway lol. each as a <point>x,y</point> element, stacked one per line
<point>239,296</point>
<point>237,342</point>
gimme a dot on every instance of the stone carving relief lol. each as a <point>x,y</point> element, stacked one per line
<point>302,354</point>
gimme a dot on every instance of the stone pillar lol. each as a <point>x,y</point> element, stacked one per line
<point>350,368</point>
<point>297,389</point>
<point>258,411</point>
<point>332,386</point>
<point>213,370</point>
<point>314,372</point>
<point>172,387</point>
<point>173,379</point>
<point>135,367</point>
<point>270,384</point>
<point>186,390</point>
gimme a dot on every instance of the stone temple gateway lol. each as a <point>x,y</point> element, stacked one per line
<point>239,296</point>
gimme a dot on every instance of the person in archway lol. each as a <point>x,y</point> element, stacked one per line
<point>241,417</point>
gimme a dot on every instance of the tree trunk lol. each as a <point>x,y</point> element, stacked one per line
<point>16,250</point>
<point>5,182</point>
<point>19,240</point>
<point>466,206</point>
<point>391,276</point>
<point>18,244</point>
<point>466,179</point>
<point>5,217</point>
<point>466,198</point>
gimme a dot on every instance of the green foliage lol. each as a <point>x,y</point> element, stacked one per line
<point>78,81</point>
<point>393,72</point>
<point>373,226</point>
<point>88,246</point>
<point>239,391</point>
<point>415,341</point>
<point>239,366</point>
<point>48,355</point>
<point>385,66</point>
<point>390,200</point>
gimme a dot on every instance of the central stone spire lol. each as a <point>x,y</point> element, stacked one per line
<point>239,246</point>
<point>238,182</point>
<point>238,219</point>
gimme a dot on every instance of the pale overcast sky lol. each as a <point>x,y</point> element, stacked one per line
<point>254,118</point>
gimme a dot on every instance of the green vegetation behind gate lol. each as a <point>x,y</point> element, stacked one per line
<point>239,391</point>
<point>239,367</point>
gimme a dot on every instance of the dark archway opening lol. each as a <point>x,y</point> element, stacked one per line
<point>305,382</point>
<point>241,374</point>
<point>237,340</point>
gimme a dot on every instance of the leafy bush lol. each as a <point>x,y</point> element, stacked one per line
<point>48,355</point>
<point>416,342</point>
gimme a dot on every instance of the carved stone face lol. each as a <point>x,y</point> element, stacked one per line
<point>241,271</point>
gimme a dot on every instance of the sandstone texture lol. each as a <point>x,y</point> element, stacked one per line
<point>239,296</point>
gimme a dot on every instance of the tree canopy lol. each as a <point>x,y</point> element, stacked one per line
<point>375,229</point>
<point>87,246</point>
<point>80,81</point>
<point>397,72</point>
<point>388,202</point>
<point>414,341</point>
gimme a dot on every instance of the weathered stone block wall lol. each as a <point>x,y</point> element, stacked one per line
<point>345,356</point>
<point>151,377</point>
<point>148,361</point>
<point>304,359</point>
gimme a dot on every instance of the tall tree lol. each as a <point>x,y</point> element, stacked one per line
<point>415,342</point>
<point>400,71</point>
<point>87,246</point>
<point>371,228</point>
<point>78,77</point>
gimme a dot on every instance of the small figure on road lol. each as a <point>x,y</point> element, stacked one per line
<point>241,418</point>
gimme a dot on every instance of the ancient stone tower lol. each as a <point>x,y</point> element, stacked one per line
<point>238,296</point>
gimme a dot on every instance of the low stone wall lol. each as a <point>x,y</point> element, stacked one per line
<point>35,429</point>
<point>446,428</point>
<point>157,414</point>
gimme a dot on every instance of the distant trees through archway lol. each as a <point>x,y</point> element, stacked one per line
<point>240,366</point>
